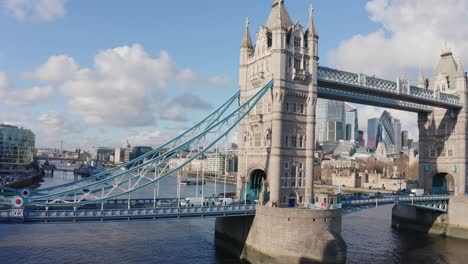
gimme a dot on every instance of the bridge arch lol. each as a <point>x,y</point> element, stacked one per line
<point>442,183</point>
<point>256,177</point>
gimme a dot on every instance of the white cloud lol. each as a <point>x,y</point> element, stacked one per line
<point>178,108</point>
<point>125,87</point>
<point>55,123</point>
<point>39,10</point>
<point>152,138</point>
<point>188,78</point>
<point>22,97</point>
<point>411,34</point>
<point>56,69</point>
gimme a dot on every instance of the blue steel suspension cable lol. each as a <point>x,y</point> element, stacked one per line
<point>223,108</point>
<point>260,92</point>
<point>263,91</point>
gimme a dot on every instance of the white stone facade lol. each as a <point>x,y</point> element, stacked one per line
<point>277,137</point>
<point>443,133</point>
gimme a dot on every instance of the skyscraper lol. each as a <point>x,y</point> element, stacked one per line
<point>336,121</point>
<point>372,131</point>
<point>385,129</point>
<point>404,139</point>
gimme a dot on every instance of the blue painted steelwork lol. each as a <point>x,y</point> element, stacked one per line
<point>430,202</point>
<point>368,99</point>
<point>399,90</point>
<point>102,190</point>
<point>67,215</point>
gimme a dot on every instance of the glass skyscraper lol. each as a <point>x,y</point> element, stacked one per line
<point>336,121</point>
<point>16,147</point>
<point>385,129</point>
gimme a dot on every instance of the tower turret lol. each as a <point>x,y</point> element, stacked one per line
<point>421,79</point>
<point>312,38</point>
<point>460,78</point>
<point>247,47</point>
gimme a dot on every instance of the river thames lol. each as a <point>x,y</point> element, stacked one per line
<point>368,234</point>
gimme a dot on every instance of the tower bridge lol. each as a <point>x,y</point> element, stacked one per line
<point>280,81</point>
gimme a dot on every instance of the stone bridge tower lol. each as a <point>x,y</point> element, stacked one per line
<point>443,134</point>
<point>276,141</point>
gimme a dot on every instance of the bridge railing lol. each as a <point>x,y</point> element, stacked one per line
<point>132,213</point>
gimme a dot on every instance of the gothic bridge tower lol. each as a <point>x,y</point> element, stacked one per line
<point>443,134</point>
<point>276,141</point>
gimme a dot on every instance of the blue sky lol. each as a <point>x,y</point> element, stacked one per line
<point>180,51</point>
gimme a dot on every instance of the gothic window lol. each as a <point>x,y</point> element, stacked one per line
<point>297,64</point>
<point>440,150</point>
<point>286,165</point>
<point>306,41</point>
<point>300,199</point>
<point>293,182</point>
<point>259,107</point>
<point>450,151</point>
<point>286,174</point>
<point>290,62</point>
<point>300,142</point>
<point>432,151</point>
<point>293,141</point>
<point>287,107</point>
<point>294,108</point>
<point>444,151</point>
<point>297,41</point>
<point>258,137</point>
<point>301,165</point>
<point>286,141</point>
<point>302,108</point>
<point>284,199</point>
<point>269,40</point>
<point>284,183</point>
<point>293,171</point>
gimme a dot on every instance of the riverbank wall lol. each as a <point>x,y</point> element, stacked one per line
<point>452,224</point>
<point>283,235</point>
<point>28,181</point>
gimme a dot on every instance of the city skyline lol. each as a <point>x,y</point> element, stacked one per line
<point>68,85</point>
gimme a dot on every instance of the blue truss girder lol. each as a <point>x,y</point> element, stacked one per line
<point>384,89</point>
<point>355,97</point>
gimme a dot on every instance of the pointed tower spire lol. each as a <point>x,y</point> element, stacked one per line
<point>279,17</point>
<point>421,79</point>
<point>460,70</point>
<point>311,31</point>
<point>246,40</point>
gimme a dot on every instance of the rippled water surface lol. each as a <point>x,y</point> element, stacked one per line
<point>368,234</point>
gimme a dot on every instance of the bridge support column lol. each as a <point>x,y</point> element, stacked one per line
<point>451,224</point>
<point>284,235</point>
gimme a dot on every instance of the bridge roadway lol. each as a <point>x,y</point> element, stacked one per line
<point>139,209</point>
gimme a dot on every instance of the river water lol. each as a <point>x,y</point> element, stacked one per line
<point>368,234</point>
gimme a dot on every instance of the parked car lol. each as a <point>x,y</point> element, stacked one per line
<point>223,201</point>
<point>164,203</point>
<point>193,201</point>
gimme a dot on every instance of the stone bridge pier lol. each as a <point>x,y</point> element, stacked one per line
<point>276,150</point>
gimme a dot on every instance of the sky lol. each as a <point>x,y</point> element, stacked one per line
<point>96,73</point>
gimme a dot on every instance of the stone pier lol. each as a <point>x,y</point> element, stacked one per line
<point>451,224</point>
<point>284,235</point>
